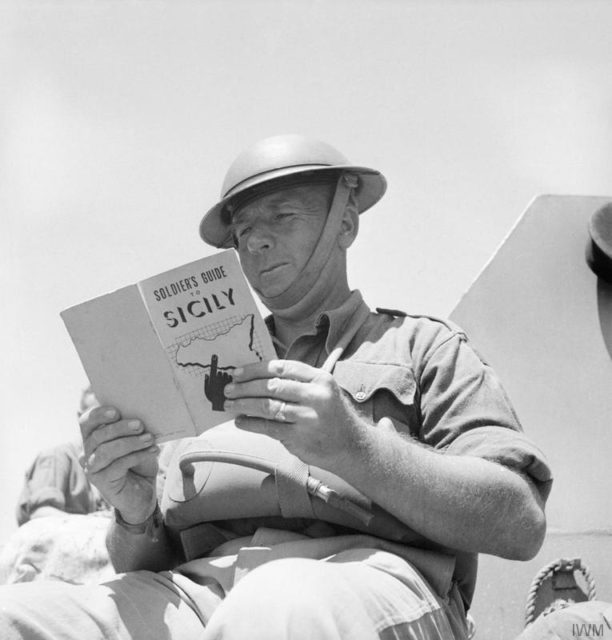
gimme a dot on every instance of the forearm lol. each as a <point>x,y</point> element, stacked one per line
<point>135,551</point>
<point>462,502</point>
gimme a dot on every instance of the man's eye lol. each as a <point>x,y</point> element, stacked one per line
<point>239,234</point>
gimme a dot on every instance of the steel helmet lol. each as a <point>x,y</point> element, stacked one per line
<point>277,162</point>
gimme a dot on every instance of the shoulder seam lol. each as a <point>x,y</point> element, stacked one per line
<point>453,334</point>
<point>451,326</point>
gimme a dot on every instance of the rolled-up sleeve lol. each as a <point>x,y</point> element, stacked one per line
<point>466,411</point>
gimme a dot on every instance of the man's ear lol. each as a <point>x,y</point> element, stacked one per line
<point>349,227</point>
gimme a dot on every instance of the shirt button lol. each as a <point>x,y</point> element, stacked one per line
<point>360,395</point>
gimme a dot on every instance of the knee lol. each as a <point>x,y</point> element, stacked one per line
<point>294,584</point>
<point>281,599</point>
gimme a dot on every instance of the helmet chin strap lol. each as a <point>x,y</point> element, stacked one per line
<point>310,278</point>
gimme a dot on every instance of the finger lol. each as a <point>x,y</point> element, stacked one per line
<point>213,366</point>
<point>291,369</point>
<point>269,409</point>
<point>107,432</point>
<point>117,470</point>
<point>277,388</point>
<point>96,417</point>
<point>107,453</point>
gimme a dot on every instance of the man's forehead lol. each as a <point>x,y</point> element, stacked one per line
<point>303,196</point>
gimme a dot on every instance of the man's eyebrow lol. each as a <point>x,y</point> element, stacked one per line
<point>274,205</point>
<point>296,202</point>
<point>291,203</point>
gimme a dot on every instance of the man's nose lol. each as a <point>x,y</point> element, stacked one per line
<point>260,239</point>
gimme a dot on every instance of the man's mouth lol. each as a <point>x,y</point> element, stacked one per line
<point>271,269</point>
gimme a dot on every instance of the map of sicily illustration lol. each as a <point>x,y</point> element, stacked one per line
<point>208,354</point>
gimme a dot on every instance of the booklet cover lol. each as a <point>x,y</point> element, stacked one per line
<point>163,349</point>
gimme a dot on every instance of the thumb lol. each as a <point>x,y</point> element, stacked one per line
<point>386,424</point>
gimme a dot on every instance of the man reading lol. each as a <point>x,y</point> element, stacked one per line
<point>398,408</point>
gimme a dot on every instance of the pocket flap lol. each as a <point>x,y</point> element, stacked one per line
<point>363,379</point>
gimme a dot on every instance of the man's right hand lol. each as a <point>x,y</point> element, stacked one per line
<point>120,459</point>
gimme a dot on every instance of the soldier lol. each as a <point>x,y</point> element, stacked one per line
<point>397,411</point>
<point>55,483</point>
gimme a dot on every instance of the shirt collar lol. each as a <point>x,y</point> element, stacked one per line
<point>341,320</point>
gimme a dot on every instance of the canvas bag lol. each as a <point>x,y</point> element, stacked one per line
<point>227,473</point>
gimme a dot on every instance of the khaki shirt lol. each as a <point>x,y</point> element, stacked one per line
<point>422,374</point>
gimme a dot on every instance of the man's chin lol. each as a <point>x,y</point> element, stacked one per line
<point>272,293</point>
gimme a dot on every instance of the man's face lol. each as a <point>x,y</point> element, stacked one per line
<point>276,234</point>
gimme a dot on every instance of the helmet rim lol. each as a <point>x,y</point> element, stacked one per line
<point>214,228</point>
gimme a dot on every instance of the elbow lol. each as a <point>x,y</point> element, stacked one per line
<point>527,538</point>
<point>536,538</point>
<point>525,512</point>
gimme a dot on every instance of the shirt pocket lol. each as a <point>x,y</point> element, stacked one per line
<point>379,390</point>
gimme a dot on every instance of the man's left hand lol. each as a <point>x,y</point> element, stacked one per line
<point>301,406</point>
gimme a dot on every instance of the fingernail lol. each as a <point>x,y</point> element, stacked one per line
<point>228,404</point>
<point>229,388</point>
<point>145,437</point>
<point>134,425</point>
<point>110,413</point>
<point>237,372</point>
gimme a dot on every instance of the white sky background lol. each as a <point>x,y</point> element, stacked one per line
<point>119,119</point>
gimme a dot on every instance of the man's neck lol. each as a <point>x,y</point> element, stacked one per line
<point>300,319</point>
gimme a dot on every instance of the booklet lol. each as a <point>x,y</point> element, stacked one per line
<point>163,349</point>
